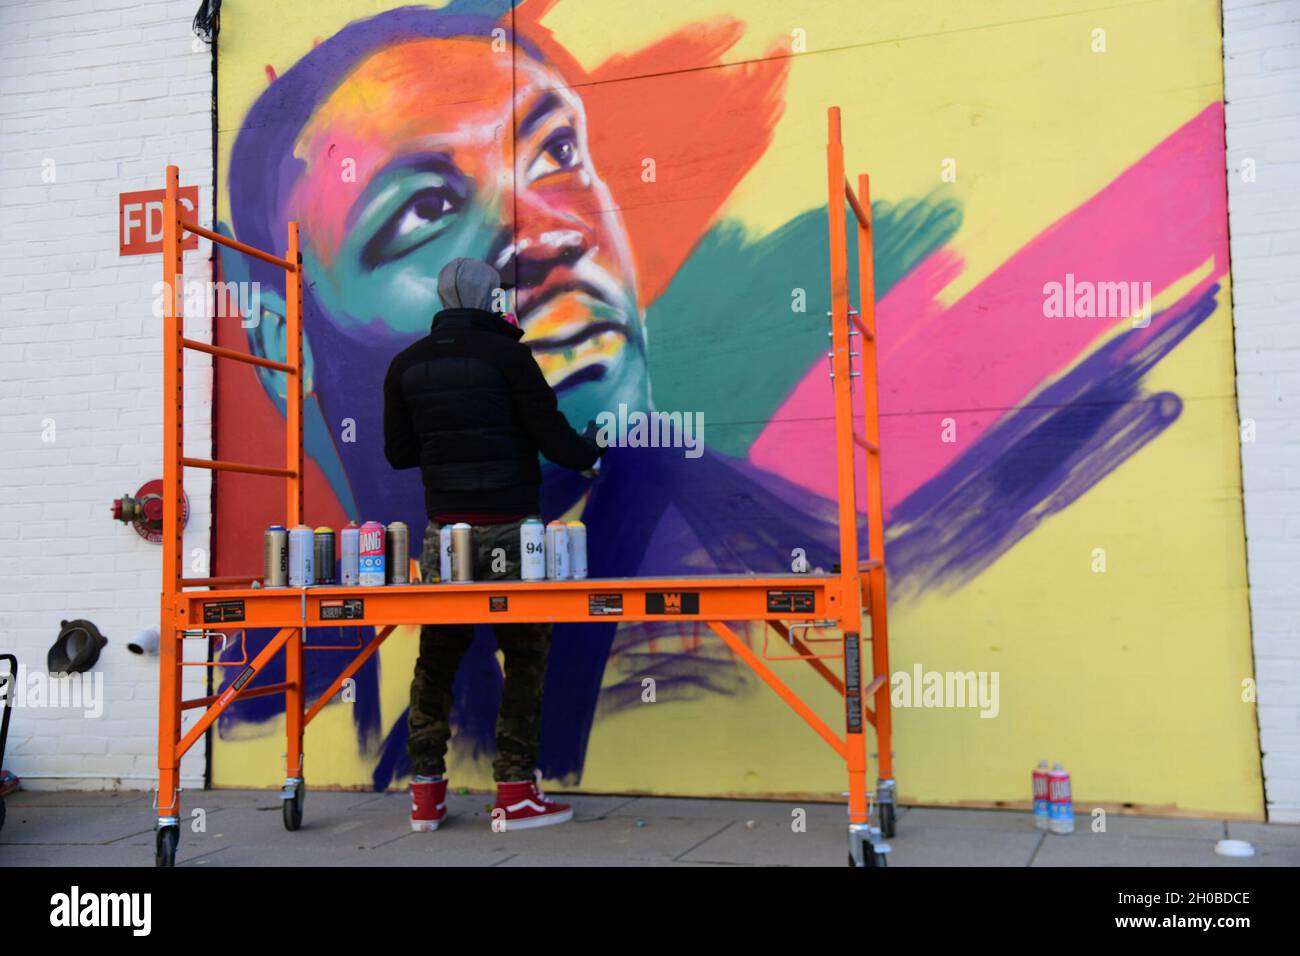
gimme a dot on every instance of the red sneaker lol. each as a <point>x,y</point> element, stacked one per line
<point>428,805</point>
<point>521,804</point>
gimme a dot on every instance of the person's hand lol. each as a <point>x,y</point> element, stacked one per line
<point>590,433</point>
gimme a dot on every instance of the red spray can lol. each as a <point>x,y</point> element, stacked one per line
<point>1060,808</point>
<point>1040,795</point>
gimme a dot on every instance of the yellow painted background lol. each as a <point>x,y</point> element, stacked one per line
<point>1132,678</point>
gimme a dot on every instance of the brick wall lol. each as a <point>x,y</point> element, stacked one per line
<point>1261,44</point>
<point>96,97</point>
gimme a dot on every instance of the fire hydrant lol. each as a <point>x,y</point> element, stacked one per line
<point>144,510</point>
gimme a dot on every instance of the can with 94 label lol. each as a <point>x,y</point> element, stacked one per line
<point>532,550</point>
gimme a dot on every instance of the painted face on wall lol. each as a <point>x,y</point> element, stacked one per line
<point>439,148</point>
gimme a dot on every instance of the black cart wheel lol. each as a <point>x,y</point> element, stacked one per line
<point>293,807</point>
<point>870,857</point>
<point>887,820</point>
<point>164,853</point>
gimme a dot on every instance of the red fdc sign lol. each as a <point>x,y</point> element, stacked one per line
<point>140,220</point>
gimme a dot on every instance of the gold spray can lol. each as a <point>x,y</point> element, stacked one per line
<point>462,552</point>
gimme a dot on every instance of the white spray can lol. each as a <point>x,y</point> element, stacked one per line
<point>532,550</point>
<point>350,555</point>
<point>557,551</point>
<point>301,553</point>
<point>577,550</point>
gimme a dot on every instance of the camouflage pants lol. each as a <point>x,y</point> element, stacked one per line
<point>524,646</point>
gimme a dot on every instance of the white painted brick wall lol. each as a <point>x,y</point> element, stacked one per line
<point>1261,44</point>
<point>111,91</point>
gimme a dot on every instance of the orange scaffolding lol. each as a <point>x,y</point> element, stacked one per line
<point>208,607</point>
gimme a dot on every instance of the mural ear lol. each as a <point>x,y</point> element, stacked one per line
<point>263,322</point>
<point>267,339</point>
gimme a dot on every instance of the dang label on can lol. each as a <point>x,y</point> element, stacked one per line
<point>370,554</point>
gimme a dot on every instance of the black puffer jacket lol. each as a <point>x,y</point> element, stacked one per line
<point>470,406</point>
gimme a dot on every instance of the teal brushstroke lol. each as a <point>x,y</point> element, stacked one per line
<point>723,339</point>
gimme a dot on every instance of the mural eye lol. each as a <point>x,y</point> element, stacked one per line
<point>422,217</point>
<point>560,152</point>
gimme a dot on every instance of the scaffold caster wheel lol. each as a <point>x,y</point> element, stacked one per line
<point>291,800</point>
<point>866,847</point>
<point>887,822</point>
<point>886,806</point>
<point>870,858</point>
<point>164,853</point>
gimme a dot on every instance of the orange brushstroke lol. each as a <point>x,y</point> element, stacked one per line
<point>704,125</point>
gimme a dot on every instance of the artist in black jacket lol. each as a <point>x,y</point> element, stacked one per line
<point>469,405</point>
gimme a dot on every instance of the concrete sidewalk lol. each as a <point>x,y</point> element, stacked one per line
<point>244,828</point>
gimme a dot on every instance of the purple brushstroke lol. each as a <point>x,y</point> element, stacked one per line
<point>1039,459</point>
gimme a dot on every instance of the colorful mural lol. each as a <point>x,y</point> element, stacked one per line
<point>1059,431</point>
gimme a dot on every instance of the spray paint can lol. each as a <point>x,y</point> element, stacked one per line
<point>1040,795</point>
<point>275,557</point>
<point>1060,807</point>
<point>370,554</point>
<point>323,555</point>
<point>557,551</point>
<point>350,555</point>
<point>300,557</point>
<point>462,552</point>
<point>399,553</point>
<point>532,550</point>
<point>444,553</point>
<point>577,550</point>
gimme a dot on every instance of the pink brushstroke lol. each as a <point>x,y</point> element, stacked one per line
<point>1158,221</point>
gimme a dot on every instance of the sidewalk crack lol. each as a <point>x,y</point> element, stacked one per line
<point>701,843</point>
